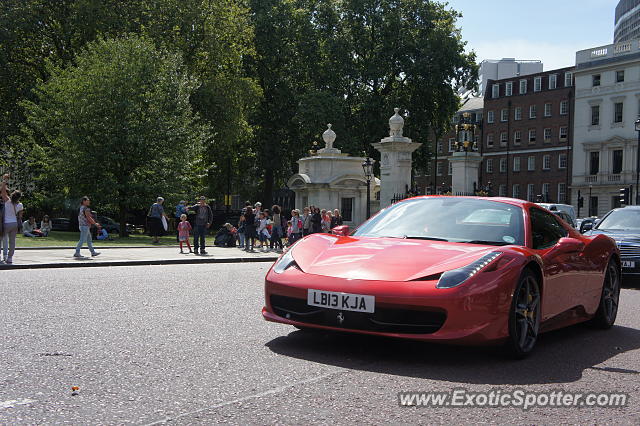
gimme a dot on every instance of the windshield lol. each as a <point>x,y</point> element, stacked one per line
<point>453,219</point>
<point>624,219</point>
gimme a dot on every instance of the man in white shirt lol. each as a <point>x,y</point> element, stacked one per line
<point>13,210</point>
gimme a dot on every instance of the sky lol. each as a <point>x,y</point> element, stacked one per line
<point>549,30</point>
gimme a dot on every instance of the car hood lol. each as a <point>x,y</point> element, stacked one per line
<point>384,259</point>
<point>620,236</point>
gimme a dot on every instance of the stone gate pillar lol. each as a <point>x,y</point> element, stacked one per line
<point>465,167</point>
<point>395,161</point>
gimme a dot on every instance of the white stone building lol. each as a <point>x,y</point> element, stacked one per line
<point>607,104</point>
<point>330,179</point>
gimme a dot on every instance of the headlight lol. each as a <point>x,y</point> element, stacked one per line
<point>458,276</point>
<point>285,262</point>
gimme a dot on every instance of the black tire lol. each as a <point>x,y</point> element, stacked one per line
<point>524,316</point>
<point>608,309</point>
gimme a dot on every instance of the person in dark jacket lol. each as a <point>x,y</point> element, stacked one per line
<point>249,229</point>
<point>316,221</point>
<point>336,219</point>
<point>203,220</point>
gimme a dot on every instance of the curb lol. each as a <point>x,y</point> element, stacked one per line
<point>139,263</point>
<point>97,246</point>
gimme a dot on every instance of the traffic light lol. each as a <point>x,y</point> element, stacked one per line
<point>625,196</point>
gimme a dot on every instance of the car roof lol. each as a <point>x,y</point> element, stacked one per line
<point>505,200</point>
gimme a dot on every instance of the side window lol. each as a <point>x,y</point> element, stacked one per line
<point>545,229</point>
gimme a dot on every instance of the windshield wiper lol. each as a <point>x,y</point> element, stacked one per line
<point>489,243</point>
<point>424,238</point>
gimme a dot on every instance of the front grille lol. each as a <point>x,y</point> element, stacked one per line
<point>390,320</point>
<point>627,251</point>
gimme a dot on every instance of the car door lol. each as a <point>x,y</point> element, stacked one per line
<point>562,271</point>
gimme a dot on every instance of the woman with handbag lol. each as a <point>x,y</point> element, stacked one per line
<point>12,220</point>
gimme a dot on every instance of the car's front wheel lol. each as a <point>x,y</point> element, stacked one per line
<point>608,308</point>
<point>524,316</point>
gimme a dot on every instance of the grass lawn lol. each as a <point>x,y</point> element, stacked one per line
<point>68,239</point>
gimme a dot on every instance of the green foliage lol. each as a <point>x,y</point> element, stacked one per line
<point>118,124</point>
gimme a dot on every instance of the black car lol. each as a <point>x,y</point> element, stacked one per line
<point>623,225</point>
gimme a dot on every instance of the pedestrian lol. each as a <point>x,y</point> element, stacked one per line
<point>316,221</point>
<point>155,215</point>
<point>13,210</point>
<point>249,229</point>
<point>45,226</point>
<point>203,221</point>
<point>263,232</point>
<point>181,209</point>
<point>296,226</point>
<point>306,221</point>
<point>276,229</point>
<point>85,222</point>
<point>336,220</point>
<point>241,229</point>
<point>326,220</point>
<point>30,228</point>
<point>184,227</point>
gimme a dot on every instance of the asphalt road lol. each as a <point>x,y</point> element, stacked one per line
<point>187,344</point>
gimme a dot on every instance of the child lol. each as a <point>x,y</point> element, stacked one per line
<point>184,227</point>
<point>263,233</point>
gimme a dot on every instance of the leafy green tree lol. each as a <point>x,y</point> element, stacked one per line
<point>119,124</point>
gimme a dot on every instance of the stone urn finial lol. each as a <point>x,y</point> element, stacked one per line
<point>396,123</point>
<point>329,137</point>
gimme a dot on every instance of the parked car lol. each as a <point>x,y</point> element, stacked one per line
<point>567,208</point>
<point>565,216</point>
<point>60,224</point>
<point>109,224</point>
<point>623,225</point>
<point>586,224</point>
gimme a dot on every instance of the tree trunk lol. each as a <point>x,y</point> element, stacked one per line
<point>267,200</point>
<point>123,221</point>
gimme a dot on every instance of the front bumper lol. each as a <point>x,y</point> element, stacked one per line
<point>473,313</point>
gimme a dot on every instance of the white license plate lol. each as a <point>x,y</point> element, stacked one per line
<point>628,264</point>
<point>341,301</point>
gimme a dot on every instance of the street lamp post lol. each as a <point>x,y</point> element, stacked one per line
<point>466,130</point>
<point>638,163</point>
<point>367,167</point>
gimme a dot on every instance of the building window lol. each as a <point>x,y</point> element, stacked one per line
<point>516,191</point>
<point>452,144</point>
<point>568,79</point>
<point>537,84</point>
<point>523,87</point>
<point>562,193</point>
<point>495,91</point>
<point>595,80</point>
<point>450,169</point>
<point>508,88</point>
<point>564,107</point>
<point>547,135</point>
<point>490,117</point>
<point>517,137</point>
<point>562,161</point>
<point>489,166</point>
<point>503,139</point>
<point>546,162</point>
<point>595,115</point>
<point>617,162</point>
<point>564,131</point>
<point>533,111</point>
<point>503,165</point>
<point>617,112</point>
<point>439,147</point>
<point>439,168</point>
<point>490,140</point>
<point>594,162</point>
<point>531,192</point>
<point>517,114</point>
<point>547,110</point>
<point>553,81</point>
<point>532,136</point>
<point>531,163</point>
<point>545,192</point>
<point>502,190</point>
<point>516,164</point>
<point>504,115</point>
<point>346,209</point>
<point>620,76</point>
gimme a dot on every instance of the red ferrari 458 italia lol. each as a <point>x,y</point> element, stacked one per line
<point>463,270</point>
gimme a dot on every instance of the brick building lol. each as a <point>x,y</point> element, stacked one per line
<point>527,136</point>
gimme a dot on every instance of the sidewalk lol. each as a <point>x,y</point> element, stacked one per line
<point>33,258</point>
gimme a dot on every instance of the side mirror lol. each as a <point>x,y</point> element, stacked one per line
<point>567,245</point>
<point>342,230</point>
<point>584,227</point>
